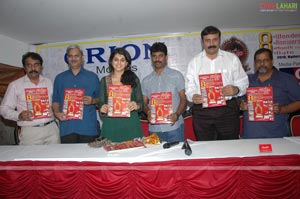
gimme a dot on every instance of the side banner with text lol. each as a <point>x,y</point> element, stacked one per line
<point>284,42</point>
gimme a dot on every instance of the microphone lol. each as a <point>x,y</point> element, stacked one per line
<point>170,144</point>
<point>187,148</point>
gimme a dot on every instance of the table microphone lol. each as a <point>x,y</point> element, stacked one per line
<point>187,148</point>
<point>170,144</point>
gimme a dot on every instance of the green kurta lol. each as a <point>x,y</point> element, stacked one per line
<point>121,129</point>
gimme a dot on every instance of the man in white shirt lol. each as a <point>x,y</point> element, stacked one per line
<point>216,123</point>
<point>14,106</point>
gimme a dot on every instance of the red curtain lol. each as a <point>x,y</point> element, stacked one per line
<point>250,177</point>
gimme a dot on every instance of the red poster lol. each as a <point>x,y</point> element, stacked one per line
<point>260,104</point>
<point>73,103</point>
<point>160,107</point>
<point>118,99</point>
<point>37,101</point>
<point>210,89</point>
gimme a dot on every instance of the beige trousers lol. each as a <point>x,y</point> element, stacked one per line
<point>48,134</point>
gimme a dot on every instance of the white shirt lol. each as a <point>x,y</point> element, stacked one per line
<point>14,101</point>
<point>226,63</point>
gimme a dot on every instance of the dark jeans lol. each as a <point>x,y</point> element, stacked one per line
<point>76,138</point>
<point>217,123</point>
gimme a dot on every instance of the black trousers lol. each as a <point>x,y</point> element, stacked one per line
<point>216,123</point>
<point>76,138</point>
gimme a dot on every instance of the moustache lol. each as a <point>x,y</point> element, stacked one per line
<point>157,62</point>
<point>209,47</point>
<point>33,71</point>
<point>262,69</point>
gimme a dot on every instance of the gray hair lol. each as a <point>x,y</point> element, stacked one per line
<point>74,46</point>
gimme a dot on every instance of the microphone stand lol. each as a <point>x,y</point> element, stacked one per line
<point>187,148</point>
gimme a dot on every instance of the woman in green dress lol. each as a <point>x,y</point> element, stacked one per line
<point>118,129</point>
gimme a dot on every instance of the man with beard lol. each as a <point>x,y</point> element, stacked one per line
<point>286,98</point>
<point>164,79</point>
<point>222,122</point>
<point>14,105</point>
<point>77,130</point>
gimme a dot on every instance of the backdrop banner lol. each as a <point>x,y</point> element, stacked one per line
<point>284,42</point>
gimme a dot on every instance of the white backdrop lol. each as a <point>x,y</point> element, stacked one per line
<point>285,43</point>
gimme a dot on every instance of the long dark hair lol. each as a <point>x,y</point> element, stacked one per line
<point>128,77</point>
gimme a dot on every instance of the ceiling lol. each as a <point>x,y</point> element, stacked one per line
<point>48,21</point>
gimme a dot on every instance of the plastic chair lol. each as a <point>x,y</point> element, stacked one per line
<point>188,128</point>
<point>295,125</point>
<point>145,127</point>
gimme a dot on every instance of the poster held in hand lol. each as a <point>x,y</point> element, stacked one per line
<point>260,103</point>
<point>210,88</point>
<point>73,103</point>
<point>37,101</point>
<point>118,100</point>
<point>160,107</point>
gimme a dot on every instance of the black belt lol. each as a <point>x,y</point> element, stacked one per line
<point>45,124</point>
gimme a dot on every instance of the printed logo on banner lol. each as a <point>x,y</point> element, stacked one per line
<point>278,6</point>
<point>182,48</point>
<point>293,71</point>
<point>98,55</point>
<point>239,48</point>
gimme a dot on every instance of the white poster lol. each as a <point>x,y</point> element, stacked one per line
<point>284,42</point>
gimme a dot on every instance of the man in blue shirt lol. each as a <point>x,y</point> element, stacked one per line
<point>165,79</point>
<point>286,98</point>
<point>77,131</point>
